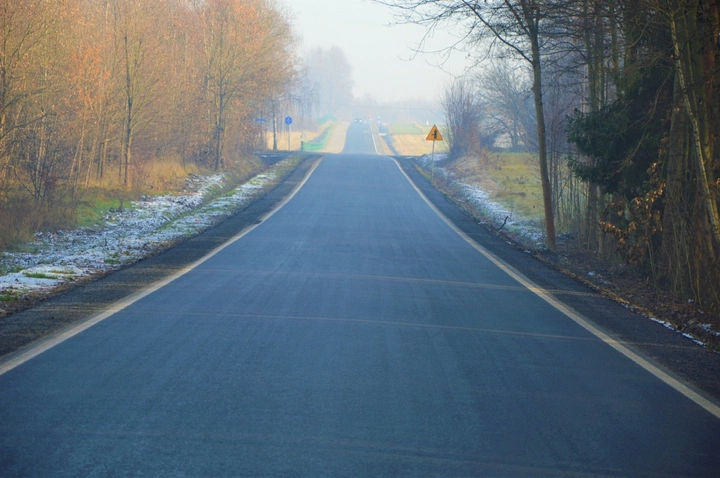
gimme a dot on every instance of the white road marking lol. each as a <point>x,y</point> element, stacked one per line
<point>704,402</point>
<point>372,136</point>
<point>23,355</point>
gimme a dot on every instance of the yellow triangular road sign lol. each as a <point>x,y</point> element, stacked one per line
<point>434,134</point>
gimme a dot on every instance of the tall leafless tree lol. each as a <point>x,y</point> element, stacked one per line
<point>505,90</point>
<point>463,115</point>
<point>507,27</point>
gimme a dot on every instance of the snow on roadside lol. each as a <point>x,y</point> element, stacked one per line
<point>670,326</point>
<point>146,226</point>
<point>527,230</point>
<point>520,226</point>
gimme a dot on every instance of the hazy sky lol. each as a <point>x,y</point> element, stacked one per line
<point>380,55</point>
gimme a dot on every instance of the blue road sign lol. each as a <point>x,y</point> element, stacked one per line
<point>288,120</point>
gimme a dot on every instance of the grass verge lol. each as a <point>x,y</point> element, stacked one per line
<point>510,179</point>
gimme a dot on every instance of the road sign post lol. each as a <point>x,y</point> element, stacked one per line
<point>288,122</point>
<point>433,136</point>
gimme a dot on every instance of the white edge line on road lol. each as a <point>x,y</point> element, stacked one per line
<point>688,392</point>
<point>17,359</point>
<point>372,136</point>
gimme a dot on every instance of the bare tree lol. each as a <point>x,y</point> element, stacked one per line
<point>511,27</point>
<point>505,91</point>
<point>243,41</point>
<point>463,116</point>
<point>137,42</point>
<point>691,25</point>
<point>25,28</point>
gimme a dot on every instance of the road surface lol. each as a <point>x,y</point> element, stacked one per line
<point>353,333</point>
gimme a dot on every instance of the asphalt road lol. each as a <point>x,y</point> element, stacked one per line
<point>353,333</point>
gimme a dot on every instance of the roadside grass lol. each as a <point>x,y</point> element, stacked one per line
<point>163,175</point>
<point>26,247</point>
<point>93,207</point>
<point>416,144</point>
<point>39,275</point>
<point>8,297</point>
<point>511,179</point>
<point>213,201</point>
<point>66,273</point>
<point>20,218</point>
<point>338,134</point>
<point>296,136</point>
<point>4,270</point>
<point>411,140</point>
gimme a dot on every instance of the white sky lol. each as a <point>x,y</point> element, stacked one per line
<point>381,55</point>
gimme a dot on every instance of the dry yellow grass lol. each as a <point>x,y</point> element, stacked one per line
<point>411,140</point>
<point>154,176</point>
<point>336,143</point>
<point>295,138</point>
<point>416,144</point>
<point>511,179</point>
<point>382,146</point>
<point>162,175</point>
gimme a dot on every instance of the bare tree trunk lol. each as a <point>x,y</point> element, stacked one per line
<point>274,119</point>
<point>676,264</point>
<point>689,66</point>
<point>219,134</point>
<point>542,141</point>
<point>127,127</point>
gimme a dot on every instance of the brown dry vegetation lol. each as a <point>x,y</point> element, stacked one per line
<point>295,137</point>
<point>103,101</point>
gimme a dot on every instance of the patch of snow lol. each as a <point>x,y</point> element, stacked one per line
<point>144,227</point>
<point>663,323</point>
<point>688,336</point>
<point>670,326</point>
<point>497,212</point>
<point>709,329</point>
<point>528,230</point>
